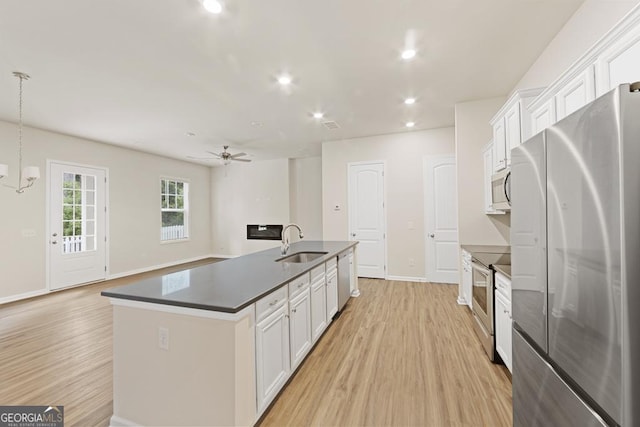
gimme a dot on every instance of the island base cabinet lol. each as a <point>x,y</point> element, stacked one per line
<point>272,356</point>
<point>318,308</point>
<point>204,376</point>
<point>300,327</point>
<point>332,294</point>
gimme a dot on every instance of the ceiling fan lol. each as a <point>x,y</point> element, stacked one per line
<point>225,156</point>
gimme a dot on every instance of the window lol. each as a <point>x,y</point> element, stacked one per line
<point>78,213</point>
<point>174,196</point>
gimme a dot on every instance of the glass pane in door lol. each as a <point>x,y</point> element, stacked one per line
<point>78,213</point>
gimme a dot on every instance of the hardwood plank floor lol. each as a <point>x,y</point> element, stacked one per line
<point>401,354</point>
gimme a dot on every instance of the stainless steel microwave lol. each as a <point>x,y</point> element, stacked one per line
<point>501,190</point>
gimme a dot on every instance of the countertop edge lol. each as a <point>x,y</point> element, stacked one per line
<point>231,310</point>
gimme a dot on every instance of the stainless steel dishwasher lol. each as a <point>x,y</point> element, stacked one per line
<point>344,279</point>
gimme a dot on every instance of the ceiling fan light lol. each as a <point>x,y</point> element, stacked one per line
<point>4,170</point>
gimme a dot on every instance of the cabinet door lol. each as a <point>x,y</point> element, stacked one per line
<point>503,329</point>
<point>318,307</point>
<point>575,95</point>
<point>620,63</point>
<point>512,129</point>
<point>272,356</point>
<point>300,327</point>
<point>332,295</point>
<point>499,146</point>
<point>544,116</point>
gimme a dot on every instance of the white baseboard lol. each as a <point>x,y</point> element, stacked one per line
<point>121,422</point>
<point>12,298</point>
<point>462,301</point>
<point>407,279</point>
<point>158,266</point>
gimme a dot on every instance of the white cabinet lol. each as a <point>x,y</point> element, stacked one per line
<point>576,94</point>
<point>511,126</point>
<point>332,292</point>
<point>318,304</point>
<point>272,355</point>
<point>503,318</point>
<point>543,116</point>
<point>300,326</point>
<point>499,145</point>
<point>620,63</point>
<point>466,288</point>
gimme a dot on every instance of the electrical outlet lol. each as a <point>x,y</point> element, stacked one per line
<point>412,262</point>
<point>410,225</point>
<point>163,338</point>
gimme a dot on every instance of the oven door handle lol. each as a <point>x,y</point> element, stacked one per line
<point>481,268</point>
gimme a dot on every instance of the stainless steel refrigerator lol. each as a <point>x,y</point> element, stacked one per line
<point>575,242</point>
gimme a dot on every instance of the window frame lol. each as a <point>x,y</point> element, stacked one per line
<point>186,208</point>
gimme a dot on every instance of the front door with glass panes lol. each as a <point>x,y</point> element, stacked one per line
<point>77,225</point>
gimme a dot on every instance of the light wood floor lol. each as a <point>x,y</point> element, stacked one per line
<point>401,354</point>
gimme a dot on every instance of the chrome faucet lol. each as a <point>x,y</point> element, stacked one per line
<point>285,239</point>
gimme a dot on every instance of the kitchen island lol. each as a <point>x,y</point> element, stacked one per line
<point>213,345</point>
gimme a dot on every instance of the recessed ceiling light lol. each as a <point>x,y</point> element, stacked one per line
<point>190,134</point>
<point>284,80</point>
<point>410,124</point>
<point>318,115</point>
<point>408,54</point>
<point>258,124</point>
<point>213,6</point>
<point>410,101</point>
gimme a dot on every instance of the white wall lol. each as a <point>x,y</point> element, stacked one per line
<point>305,185</point>
<point>473,132</point>
<point>247,193</point>
<point>134,210</point>
<point>403,153</point>
<point>587,25</point>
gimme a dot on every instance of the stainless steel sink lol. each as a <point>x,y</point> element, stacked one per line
<point>301,257</point>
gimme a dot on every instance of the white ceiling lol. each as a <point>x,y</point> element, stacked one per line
<point>143,73</point>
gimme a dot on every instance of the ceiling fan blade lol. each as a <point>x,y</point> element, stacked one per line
<point>233,156</point>
<point>201,158</point>
<point>240,160</point>
<point>218,156</point>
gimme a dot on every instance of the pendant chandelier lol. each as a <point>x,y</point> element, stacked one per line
<point>27,176</point>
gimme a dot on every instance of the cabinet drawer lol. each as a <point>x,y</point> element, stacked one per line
<point>298,285</point>
<point>317,272</point>
<point>271,303</point>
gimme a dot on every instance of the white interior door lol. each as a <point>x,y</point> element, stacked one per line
<point>77,225</point>
<point>441,219</point>
<point>366,217</point>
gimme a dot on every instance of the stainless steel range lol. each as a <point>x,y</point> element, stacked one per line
<point>482,293</point>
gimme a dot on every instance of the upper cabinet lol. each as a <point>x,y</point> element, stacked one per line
<point>511,126</point>
<point>576,94</point>
<point>620,63</point>
<point>613,60</point>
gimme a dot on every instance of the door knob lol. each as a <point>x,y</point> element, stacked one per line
<point>55,234</point>
<point>353,234</point>
<point>432,235</point>
<point>55,242</point>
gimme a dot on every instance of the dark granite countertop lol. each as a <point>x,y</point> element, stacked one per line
<point>231,285</point>
<point>504,269</point>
